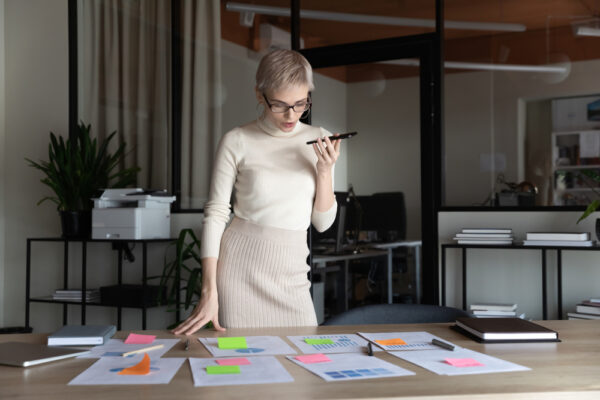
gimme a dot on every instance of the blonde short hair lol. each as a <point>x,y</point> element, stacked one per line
<point>283,68</point>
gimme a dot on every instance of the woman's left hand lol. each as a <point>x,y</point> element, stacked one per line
<point>327,152</point>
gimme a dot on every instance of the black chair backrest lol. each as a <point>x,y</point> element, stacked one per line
<point>397,314</point>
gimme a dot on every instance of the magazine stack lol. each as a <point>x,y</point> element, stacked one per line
<point>587,309</point>
<point>485,236</point>
<point>495,310</point>
<point>558,239</point>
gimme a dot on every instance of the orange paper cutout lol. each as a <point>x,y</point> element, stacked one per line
<point>141,368</point>
<point>390,342</point>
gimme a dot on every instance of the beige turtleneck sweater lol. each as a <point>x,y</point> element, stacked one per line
<point>272,176</point>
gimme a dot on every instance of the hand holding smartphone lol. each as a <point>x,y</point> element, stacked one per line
<point>338,137</point>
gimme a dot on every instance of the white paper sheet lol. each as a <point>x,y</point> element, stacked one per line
<point>116,347</point>
<point>260,370</point>
<point>414,340</point>
<point>350,366</point>
<point>342,343</point>
<point>105,371</point>
<point>434,361</point>
<point>257,346</point>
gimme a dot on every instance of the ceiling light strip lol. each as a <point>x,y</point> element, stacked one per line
<point>373,19</point>
<point>587,31</point>
<point>557,69</point>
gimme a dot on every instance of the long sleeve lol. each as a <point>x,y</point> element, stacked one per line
<point>323,220</point>
<point>217,209</point>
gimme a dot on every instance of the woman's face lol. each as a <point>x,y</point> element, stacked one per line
<point>282,98</point>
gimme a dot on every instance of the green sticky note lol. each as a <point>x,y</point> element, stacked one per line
<point>230,343</point>
<point>318,341</point>
<point>222,369</point>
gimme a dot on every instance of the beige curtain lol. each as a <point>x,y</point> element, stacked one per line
<point>201,110</point>
<point>125,85</point>
<point>125,71</point>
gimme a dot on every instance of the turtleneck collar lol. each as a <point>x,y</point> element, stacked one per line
<point>272,130</point>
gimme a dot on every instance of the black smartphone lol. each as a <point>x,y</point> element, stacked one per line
<point>342,136</point>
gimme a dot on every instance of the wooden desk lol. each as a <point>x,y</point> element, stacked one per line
<point>566,370</point>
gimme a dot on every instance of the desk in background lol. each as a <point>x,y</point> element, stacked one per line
<point>569,369</point>
<point>372,250</point>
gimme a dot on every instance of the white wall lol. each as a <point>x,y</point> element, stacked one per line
<point>386,154</point>
<point>2,164</point>
<point>36,89</point>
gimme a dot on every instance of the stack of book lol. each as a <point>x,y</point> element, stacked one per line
<point>91,295</point>
<point>587,309</point>
<point>495,310</point>
<point>558,239</point>
<point>484,236</point>
<point>504,330</point>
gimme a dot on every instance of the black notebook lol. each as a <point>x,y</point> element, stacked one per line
<point>497,330</point>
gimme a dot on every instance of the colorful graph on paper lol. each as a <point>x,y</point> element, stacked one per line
<point>350,366</point>
<point>343,343</point>
<point>412,340</point>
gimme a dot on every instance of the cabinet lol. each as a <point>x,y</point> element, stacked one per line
<point>83,285</point>
<point>572,153</point>
<point>543,264</point>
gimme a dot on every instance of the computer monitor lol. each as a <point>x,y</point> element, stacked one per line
<point>383,213</point>
<point>334,238</point>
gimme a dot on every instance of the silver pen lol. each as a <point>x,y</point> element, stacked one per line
<point>443,345</point>
<point>187,344</point>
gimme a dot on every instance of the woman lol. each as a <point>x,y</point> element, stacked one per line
<point>255,271</point>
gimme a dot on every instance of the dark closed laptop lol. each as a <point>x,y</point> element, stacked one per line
<point>21,354</point>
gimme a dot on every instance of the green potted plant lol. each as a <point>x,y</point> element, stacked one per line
<point>181,277</point>
<point>76,170</point>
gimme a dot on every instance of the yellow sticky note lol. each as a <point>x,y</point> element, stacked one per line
<point>390,342</point>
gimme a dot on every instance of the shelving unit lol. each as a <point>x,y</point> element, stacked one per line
<point>569,186</point>
<point>83,303</point>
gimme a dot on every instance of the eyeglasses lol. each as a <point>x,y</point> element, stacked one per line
<point>279,107</point>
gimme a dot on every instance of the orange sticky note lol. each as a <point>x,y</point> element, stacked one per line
<point>134,338</point>
<point>141,368</point>
<point>390,342</point>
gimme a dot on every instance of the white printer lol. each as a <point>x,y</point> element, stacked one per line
<point>132,214</point>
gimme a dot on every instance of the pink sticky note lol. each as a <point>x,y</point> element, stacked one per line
<point>134,338</point>
<point>463,362</point>
<point>233,361</point>
<point>313,358</point>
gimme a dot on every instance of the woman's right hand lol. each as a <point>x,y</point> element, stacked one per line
<point>206,310</point>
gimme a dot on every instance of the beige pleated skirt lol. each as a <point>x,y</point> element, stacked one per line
<point>262,277</point>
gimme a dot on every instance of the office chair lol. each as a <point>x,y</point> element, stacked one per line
<point>397,314</point>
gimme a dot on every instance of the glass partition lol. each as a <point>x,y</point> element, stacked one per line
<point>520,103</point>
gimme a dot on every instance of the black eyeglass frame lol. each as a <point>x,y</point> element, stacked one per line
<point>308,105</point>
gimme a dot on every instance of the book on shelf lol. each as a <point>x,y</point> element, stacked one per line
<point>487,230</point>
<point>504,330</point>
<point>559,243</point>
<point>82,335</point>
<point>495,313</point>
<point>484,235</point>
<point>483,241</point>
<point>595,300</point>
<point>494,306</point>
<point>590,303</point>
<point>573,315</point>
<point>580,308</point>
<point>522,316</point>
<point>576,236</point>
